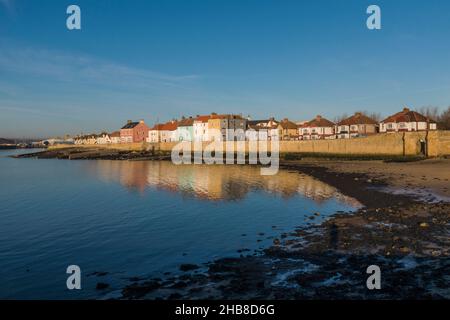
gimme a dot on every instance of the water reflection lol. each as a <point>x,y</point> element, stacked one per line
<point>213,182</point>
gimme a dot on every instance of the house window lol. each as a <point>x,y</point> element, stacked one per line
<point>390,126</point>
<point>402,125</point>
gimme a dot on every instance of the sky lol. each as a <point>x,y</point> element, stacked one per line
<point>162,59</point>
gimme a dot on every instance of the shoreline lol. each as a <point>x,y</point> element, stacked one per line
<point>408,237</point>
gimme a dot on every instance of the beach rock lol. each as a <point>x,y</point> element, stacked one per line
<point>137,291</point>
<point>101,286</point>
<point>188,267</point>
<point>424,225</point>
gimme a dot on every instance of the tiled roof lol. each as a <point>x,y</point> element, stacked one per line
<point>170,126</point>
<point>286,124</point>
<point>318,122</point>
<point>357,118</point>
<point>186,122</point>
<point>158,126</point>
<point>203,119</point>
<point>407,116</point>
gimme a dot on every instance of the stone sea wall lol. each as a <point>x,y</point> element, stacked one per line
<point>398,144</point>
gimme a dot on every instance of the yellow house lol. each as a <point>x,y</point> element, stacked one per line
<point>224,122</point>
<point>287,130</point>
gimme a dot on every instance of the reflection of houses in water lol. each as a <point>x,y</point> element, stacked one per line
<point>214,182</point>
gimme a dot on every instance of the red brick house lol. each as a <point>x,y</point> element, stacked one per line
<point>134,132</point>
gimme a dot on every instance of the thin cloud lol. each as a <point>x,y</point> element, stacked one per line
<point>8,4</point>
<point>81,68</point>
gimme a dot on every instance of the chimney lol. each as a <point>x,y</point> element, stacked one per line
<point>318,117</point>
<point>359,114</point>
<point>129,121</point>
<point>285,119</point>
<point>141,121</point>
<point>405,109</point>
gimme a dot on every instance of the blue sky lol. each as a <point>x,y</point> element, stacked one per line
<point>162,59</point>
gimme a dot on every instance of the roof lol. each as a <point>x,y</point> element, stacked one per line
<point>357,118</point>
<point>258,128</point>
<point>257,122</point>
<point>318,121</point>
<point>88,136</point>
<point>186,122</point>
<point>158,126</point>
<point>286,124</point>
<point>130,125</point>
<point>169,126</point>
<point>202,119</point>
<point>115,134</point>
<point>407,116</point>
<point>225,116</point>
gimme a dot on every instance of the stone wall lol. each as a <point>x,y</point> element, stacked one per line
<point>381,144</point>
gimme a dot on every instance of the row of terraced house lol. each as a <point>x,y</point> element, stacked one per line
<point>226,127</point>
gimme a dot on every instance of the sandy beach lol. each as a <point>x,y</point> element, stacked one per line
<point>429,174</point>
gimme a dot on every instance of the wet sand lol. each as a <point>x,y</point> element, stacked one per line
<point>430,174</point>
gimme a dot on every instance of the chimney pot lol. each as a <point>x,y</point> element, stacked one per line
<point>129,121</point>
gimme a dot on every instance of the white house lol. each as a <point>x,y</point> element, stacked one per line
<point>86,139</point>
<point>103,138</point>
<point>185,129</point>
<point>169,132</point>
<point>356,126</point>
<point>115,137</point>
<point>407,120</point>
<point>200,128</point>
<point>154,134</point>
<point>260,129</point>
<point>318,128</point>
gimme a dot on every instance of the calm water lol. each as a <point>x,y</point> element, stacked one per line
<point>138,219</point>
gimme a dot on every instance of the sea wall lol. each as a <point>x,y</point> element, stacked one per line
<point>398,144</point>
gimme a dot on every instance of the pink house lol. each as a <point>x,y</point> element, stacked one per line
<point>134,132</point>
